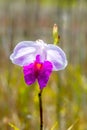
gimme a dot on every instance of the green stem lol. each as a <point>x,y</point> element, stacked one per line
<point>41,110</point>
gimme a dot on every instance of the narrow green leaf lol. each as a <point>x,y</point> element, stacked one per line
<point>71,127</point>
<point>56,123</point>
<point>13,126</point>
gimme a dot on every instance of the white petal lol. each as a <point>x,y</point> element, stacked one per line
<point>24,53</point>
<point>42,50</point>
<point>57,57</point>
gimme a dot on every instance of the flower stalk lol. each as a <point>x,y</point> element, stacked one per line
<point>41,109</point>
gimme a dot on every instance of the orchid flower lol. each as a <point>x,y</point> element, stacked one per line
<point>38,60</point>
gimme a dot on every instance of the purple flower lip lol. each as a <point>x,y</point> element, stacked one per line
<point>37,71</point>
<point>38,60</point>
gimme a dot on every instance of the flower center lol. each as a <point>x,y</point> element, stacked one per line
<point>37,68</point>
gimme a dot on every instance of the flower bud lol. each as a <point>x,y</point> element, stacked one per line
<point>56,37</point>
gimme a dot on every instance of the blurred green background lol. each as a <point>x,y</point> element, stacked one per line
<point>65,97</point>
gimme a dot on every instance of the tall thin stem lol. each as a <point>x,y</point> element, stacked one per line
<point>41,110</point>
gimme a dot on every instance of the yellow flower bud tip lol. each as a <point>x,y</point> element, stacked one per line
<point>55,28</point>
